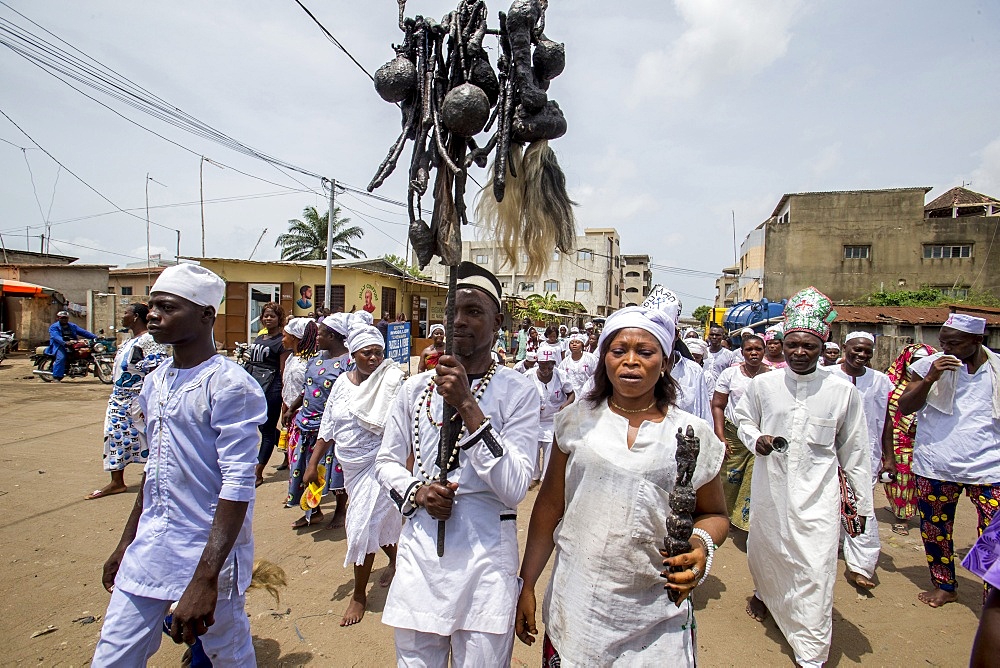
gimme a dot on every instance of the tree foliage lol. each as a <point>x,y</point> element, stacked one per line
<point>306,238</point>
<point>927,296</point>
<point>400,263</point>
<point>533,305</point>
<point>702,313</point>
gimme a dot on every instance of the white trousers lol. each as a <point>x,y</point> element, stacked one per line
<point>415,649</point>
<point>861,552</point>
<point>133,628</point>
<point>542,463</point>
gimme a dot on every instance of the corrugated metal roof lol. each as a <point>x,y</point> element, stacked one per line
<point>911,315</point>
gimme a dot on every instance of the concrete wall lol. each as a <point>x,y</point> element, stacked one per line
<point>637,287</point>
<point>809,248</point>
<point>73,281</point>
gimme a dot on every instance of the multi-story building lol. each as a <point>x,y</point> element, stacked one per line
<point>591,275</point>
<point>727,286</point>
<point>638,279</point>
<point>852,243</point>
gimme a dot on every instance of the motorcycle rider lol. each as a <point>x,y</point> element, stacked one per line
<point>61,332</point>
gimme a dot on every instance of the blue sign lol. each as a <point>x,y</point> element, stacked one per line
<point>398,344</point>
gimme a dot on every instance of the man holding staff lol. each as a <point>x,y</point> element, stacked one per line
<point>462,603</point>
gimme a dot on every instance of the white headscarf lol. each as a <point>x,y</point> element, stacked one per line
<point>582,338</point>
<point>339,322</point>
<point>696,346</point>
<point>297,327</point>
<point>361,335</point>
<point>658,322</point>
<point>435,328</point>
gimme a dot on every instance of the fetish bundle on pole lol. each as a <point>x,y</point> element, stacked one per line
<point>448,92</point>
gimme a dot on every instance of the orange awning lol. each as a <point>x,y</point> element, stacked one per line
<point>22,289</point>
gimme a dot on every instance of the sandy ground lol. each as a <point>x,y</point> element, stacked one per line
<point>53,544</point>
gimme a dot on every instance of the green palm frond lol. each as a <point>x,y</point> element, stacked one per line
<point>306,238</point>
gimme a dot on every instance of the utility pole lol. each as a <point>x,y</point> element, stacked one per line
<point>329,244</point>
<point>149,272</point>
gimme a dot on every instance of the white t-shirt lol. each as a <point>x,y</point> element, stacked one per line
<point>734,382</point>
<point>578,372</point>
<point>874,387</point>
<point>964,446</point>
<point>552,394</point>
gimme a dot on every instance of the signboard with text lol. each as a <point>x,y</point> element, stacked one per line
<point>398,344</point>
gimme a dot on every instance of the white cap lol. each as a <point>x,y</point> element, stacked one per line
<point>831,345</point>
<point>964,322</point>
<point>860,335</point>
<point>548,353</point>
<point>747,330</point>
<point>531,356</point>
<point>588,325</point>
<point>192,282</point>
<point>574,330</point>
<point>437,327</point>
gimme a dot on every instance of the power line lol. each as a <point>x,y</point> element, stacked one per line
<point>333,39</point>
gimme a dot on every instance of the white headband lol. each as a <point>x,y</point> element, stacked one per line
<point>859,335</point>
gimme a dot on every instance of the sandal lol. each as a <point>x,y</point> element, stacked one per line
<point>901,528</point>
<point>97,494</point>
<point>307,520</point>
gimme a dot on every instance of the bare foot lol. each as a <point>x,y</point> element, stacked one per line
<point>937,597</point>
<point>859,580</point>
<point>338,518</point>
<point>756,609</point>
<point>386,579</point>
<point>107,490</point>
<point>355,611</point>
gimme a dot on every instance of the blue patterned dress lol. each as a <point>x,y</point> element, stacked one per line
<point>124,431</point>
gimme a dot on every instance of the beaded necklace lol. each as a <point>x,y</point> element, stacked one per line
<point>425,399</point>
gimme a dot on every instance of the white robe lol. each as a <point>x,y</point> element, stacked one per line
<point>795,496</point>
<point>474,586</point>
<point>693,394</point>
<point>579,371</point>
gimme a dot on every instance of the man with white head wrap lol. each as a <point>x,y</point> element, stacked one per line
<point>692,395</point>
<point>459,605</point>
<point>189,537</point>
<point>956,395</point>
<point>861,552</point>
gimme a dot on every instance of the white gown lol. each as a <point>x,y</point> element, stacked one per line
<point>474,586</point>
<point>373,520</point>
<point>605,602</point>
<point>795,496</point>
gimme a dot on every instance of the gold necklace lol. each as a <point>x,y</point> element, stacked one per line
<point>637,410</point>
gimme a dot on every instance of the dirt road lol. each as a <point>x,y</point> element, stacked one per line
<point>53,544</point>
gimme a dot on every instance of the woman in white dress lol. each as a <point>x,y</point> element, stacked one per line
<point>353,422</point>
<point>124,439</point>
<point>603,508</point>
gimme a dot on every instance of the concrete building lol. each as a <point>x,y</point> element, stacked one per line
<point>727,286</point>
<point>373,285</point>
<point>852,243</point>
<point>638,279</point>
<point>592,275</point>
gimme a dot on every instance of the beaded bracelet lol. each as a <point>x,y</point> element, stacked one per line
<point>709,548</point>
<point>412,498</point>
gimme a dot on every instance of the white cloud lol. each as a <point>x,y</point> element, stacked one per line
<point>721,41</point>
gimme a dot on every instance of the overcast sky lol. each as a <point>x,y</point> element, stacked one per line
<point>680,113</point>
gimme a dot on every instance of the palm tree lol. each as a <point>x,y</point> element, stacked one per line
<point>306,239</point>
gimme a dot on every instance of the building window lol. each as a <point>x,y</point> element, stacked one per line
<point>551,286</point>
<point>126,290</point>
<point>524,258</point>
<point>389,302</point>
<point>631,274</point>
<point>585,254</point>
<point>338,297</point>
<point>555,255</point>
<point>583,285</point>
<point>857,252</point>
<point>482,259</point>
<point>503,284</point>
<point>631,290</point>
<point>934,251</point>
<point>147,290</point>
<point>956,293</point>
<point>527,287</point>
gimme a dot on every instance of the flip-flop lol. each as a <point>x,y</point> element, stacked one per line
<point>97,494</point>
<point>901,529</point>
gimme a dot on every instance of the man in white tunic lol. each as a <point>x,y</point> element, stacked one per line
<point>555,392</point>
<point>462,603</point>
<point>956,394</point>
<point>189,538</point>
<point>861,552</point>
<point>795,493</point>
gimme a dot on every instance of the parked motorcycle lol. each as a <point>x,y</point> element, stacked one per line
<point>7,343</point>
<point>85,357</point>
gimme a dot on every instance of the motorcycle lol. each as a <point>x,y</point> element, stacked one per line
<point>84,358</point>
<point>7,343</point>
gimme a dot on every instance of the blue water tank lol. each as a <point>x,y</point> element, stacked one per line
<point>759,315</point>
